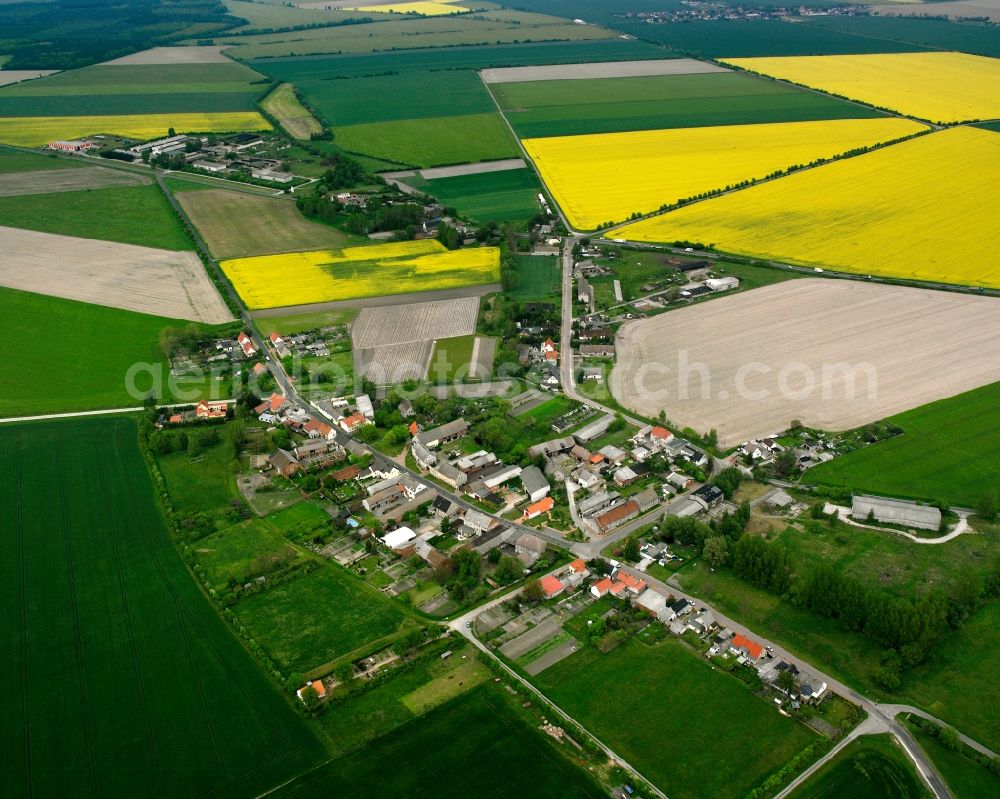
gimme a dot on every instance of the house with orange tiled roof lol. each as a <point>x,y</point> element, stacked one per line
<point>211,410</point>
<point>551,586</point>
<point>246,344</point>
<point>314,428</point>
<point>627,584</point>
<point>739,644</point>
<point>354,422</point>
<point>316,685</point>
<point>601,587</point>
<point>617,516</point>
<point>538,508</point>
<point>258,369</point>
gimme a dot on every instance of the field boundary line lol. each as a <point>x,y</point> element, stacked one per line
<point>295,778</point>
<point>78,639</point>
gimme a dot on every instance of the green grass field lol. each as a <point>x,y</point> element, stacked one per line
<point>966,778</point>
<point>611,105</point>
<point>939,456</point>
<point>120,679</point>
<point>16,161</point>
<point>319,618</point>
<point>478,746</point>
<point>132,215</point>
<point>547,412</point>
<point>638,699</point>
<point>507,196</point>
<point>293,117</point>
<point>136,89</point>
<point>88,352</point>
<point>296,323</point>
<point>873,767</point>
<point>436,141</point>
<point>538,279</point>
<point>451,358</point>
<point>232,554</point>
<point>200,484</point>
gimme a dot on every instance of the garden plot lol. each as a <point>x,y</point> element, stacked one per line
<point>394,363</point>
<point>50,181</point>
<point>848,353</point>
<point>160,282</point>
<point>415,322</point>
<point>606,69</point>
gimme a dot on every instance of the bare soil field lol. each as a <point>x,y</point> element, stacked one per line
<point>143,279</point>
<point>472,169</point>
<point>835,354</point>
<point>187,54</point>
<point>237,225</point>
<point>960,8</point>
<point>605,69</point>
<point>415,322</point>
<point>483,353</point>
<point>7,77</point>
<point>394,363</point>
<point>51,181</point>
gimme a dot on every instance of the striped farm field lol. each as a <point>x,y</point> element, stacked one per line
<point>924,209</point>
<point>274,281</point>
<point>941,87</point>
<point>608,177</point>
<point>37,131</point>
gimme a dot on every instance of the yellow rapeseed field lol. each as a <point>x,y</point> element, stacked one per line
<point>275,281</point>
<point>606,177</point>
<point>37,131</point>
<point>940,87</point>
<point>924,209</point>
<point>429,8</point>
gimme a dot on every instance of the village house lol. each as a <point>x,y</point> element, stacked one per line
<point>597,350</point>
<point>314,428</point>
<point>617,516</point>
<point>739,644</point>
<point>538,508</point>
<point>285,463</point>
<point>354,422</point>
<point>708,496</point>
<point>316,685</point>
<point>681,482</point>
<point>529,548</point>
<point>534,483</point>
<point>211,410</point>
<point>319,453</point>
<point>246,344</point>
<point>551,586</point>
<point>444,434</point>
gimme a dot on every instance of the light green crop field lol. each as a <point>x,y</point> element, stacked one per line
<point>612,105</point>
<point>939,456</point>
<point>873,767</point>
<point>451,358</point>
<point>118,673</point>
<point>436,141</point>
<point>294,117</point>
<point>132,215</point>
<point>321,617</point>
<point>479,747</point>
<point>966,778</point>
<point>88,352</point>
<point>538,278</point>
<point>16,161</point>
<point>636,698</point>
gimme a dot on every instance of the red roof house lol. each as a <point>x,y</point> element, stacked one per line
<point>538,508</point>
<point>743,644</point>
<point>551,586</point>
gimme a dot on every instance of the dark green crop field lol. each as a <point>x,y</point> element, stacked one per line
<point>137,89</point>
<point>120,680</point>
<point>944,453</point>
<point>734,38</point>
<point>507,196</point>
<point>873,767</point>
<point>937,33</point>
<point>611,105</point>
<point>88,351</point>
<point>638,699</point>
<point>131,214</point>
<point>473,746</point>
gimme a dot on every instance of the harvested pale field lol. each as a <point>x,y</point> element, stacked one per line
<point>941,87</point>
<point>835,354</point>
<point>159,282</point>
<point>394,363</point>
<point>604,69</point>
<point>924,209</point>
<point>419,321</point>
<point>484,352</point>
<point>208,54</point>
<point>471,169</point>
<point>52,181</point>
<point>960,8</point>
<point>235,224</point>
<point>605,177</point>
<point>7,77</point>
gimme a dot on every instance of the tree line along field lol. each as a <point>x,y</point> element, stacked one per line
<point>611,105</point>
<point>120,676</point>
<point>90,348</point>
<point>847,215</point>
<point>637,697</point>
<point>966,778</point>
<point>608,177</point>
<point>508,195</point>
<point>871,767</point>
<point>939,455</point>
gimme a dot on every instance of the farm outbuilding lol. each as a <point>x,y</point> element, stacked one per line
<point>896,511</point>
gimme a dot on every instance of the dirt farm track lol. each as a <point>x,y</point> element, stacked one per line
<point>833,354</point>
